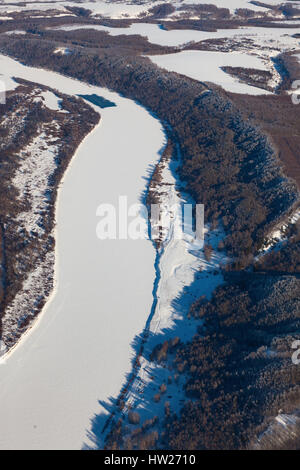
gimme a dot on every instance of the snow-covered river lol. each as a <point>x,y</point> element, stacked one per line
<point>79,351</point>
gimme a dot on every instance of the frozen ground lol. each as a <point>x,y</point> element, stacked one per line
<point>79,350</point>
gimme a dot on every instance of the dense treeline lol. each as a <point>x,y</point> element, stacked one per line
<point>282,8</point>
<point>206,11</point>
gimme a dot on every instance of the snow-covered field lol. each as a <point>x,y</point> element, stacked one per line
<point>80,348</point>
<point>206,66</point>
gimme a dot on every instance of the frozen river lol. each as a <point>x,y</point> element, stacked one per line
<point>79,350</point>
